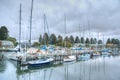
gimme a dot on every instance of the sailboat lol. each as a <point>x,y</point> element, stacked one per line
<point>104,51</point>
<point>96,53</point>
<point>15,56</point>
<point>84,56</point>
<point>68,58</point>
<point>41,61</point>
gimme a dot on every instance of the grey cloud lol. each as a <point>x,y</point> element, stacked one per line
<point>101,15</point>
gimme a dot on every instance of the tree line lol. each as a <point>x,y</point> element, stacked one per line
<point>112,42</point>
<point>59,40</point>
<point>45,39</point>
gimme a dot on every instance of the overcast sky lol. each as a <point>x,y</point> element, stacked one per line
<point>94,16</point>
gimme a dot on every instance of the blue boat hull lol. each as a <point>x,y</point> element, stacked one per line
<point>40,64</point>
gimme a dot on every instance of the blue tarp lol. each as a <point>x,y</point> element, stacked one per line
<point>76,48</point>
<point>43,47</point>
<point>105,50</point>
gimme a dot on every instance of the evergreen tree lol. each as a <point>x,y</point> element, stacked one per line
<point>95,41</point>
<point>113,41</point>
<point>66,38</point>
<point>82,40</point>
<point>60,41</point>
<point>108,41</point>
<point>40,39</point>
<point>53,39</point>
<point>67,42</point>
<point>116,41</point>
<point>87,42</point>
<point>71,39</point>
<point>100,42</point>
<point>77,40</point>
<point>91,41</point>
<point>45,39</point>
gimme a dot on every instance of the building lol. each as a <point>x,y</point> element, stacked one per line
<point>6,44</point>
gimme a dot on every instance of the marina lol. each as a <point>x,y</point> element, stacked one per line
<point>103,68</point>
<point>59,40</point>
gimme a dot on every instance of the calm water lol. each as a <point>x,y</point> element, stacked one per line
<point>107,68</point>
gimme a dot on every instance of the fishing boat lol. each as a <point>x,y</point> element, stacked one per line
<point>40,62</point>
<point>69,58</point>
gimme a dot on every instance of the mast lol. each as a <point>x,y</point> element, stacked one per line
<point>44,30</point>
<point>90,38</point>
<point>47,27</point>
<point>80,35</point>
<point>20,27</point>
<point>103,42</point>
<point>89,34</point>
<point>65,29</point>
<point>84,37</point>
<point>31,21</point>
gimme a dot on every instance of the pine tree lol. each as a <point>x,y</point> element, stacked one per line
<point>71,39</point>
<point>77,40</point>
<point>53,39</point>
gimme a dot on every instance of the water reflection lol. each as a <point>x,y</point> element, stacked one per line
<point>101,68</point>
<point>2,66</point>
